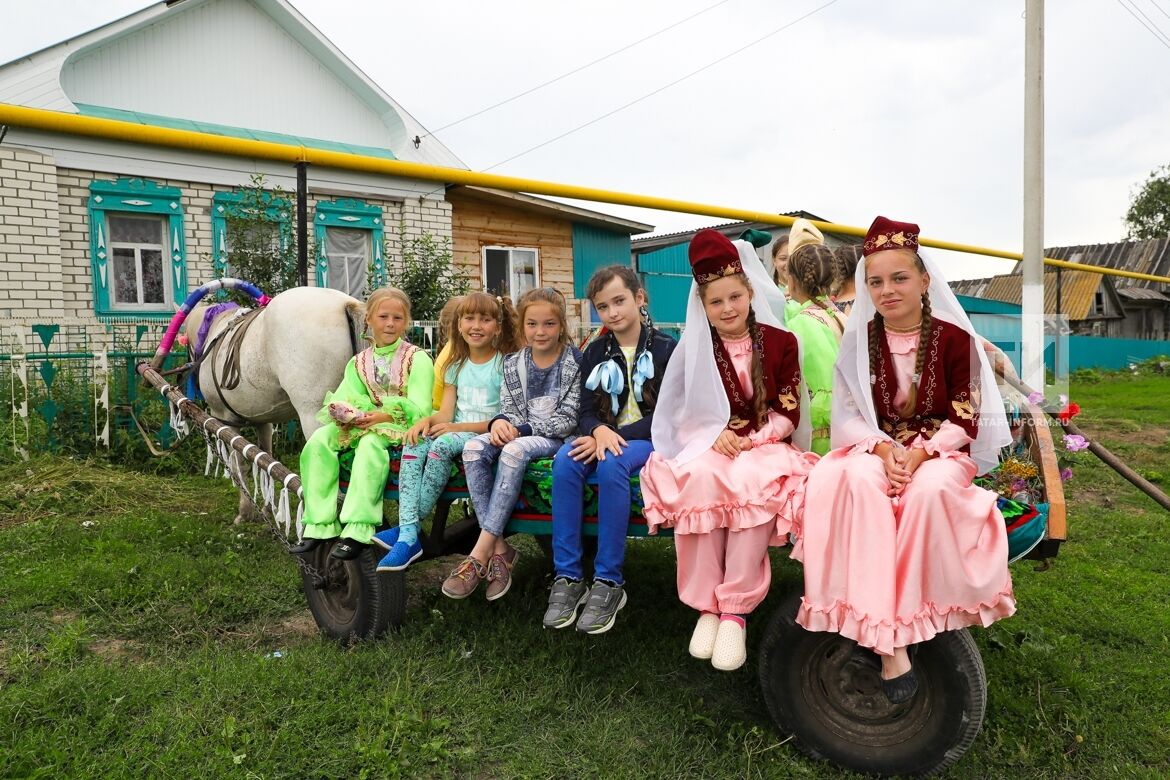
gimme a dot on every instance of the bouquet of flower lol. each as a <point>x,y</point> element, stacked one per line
<point>1073,442</point>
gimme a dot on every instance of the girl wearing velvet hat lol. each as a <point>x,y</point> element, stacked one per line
<point>725,474</point>
<point>897,542</point>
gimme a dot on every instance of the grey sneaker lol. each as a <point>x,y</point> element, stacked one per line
<point>564,600</point>
<point>602,607</point>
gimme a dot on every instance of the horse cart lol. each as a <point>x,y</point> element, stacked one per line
<point>814,686</point>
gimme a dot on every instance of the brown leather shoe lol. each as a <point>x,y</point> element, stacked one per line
<point>462,582</point>
<point>499,573</point>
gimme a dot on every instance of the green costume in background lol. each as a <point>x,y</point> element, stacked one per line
<point>819,344</point>
<point>396,379</point>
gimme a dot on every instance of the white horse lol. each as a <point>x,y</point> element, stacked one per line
<point>278,366</point>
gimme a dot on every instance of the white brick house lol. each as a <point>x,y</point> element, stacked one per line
<point>96,230</point>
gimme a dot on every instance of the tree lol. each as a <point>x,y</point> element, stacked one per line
<point>1149,210</point>
<point>261,241</point>
<point>427,274</point>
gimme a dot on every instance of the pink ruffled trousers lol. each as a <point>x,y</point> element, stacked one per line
<point>888,573</point>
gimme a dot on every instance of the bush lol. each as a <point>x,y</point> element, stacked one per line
<point>427,274</point>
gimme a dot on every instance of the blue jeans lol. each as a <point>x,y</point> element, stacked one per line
<point>494,497</point>
<point>613,510</point>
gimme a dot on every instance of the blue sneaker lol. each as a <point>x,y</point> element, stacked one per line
<point>386,539</point>
<point>401,555</point>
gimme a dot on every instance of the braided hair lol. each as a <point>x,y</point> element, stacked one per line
<point>759,389</point>
<point>845,260</point>
<point>811,266</point>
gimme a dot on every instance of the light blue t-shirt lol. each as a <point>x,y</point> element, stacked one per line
<point>477,389</point>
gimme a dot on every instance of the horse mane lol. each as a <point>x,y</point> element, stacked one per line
<point>356,314</point>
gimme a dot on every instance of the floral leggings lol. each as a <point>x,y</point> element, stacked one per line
<point>423,474</point>
<point>494,498</point>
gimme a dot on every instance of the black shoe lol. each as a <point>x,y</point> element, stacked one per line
<point>901,688</point>
<point>305,546</point>
<point>347,550</point>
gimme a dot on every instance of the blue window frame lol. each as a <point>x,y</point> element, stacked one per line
<point>226,205</point>
<point>349,240</point>
<point>137,249</point>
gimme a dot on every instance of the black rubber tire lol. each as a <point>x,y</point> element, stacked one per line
<point>350,600</point>
<point>834,707</point>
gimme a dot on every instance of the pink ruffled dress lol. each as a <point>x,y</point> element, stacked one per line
<point>726,511</point>
<point>890,572</point>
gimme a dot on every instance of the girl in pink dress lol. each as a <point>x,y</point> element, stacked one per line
<point>897,542</point>
<point>725,474</point>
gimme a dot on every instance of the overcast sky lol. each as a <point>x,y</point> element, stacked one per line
<point>909,109</point>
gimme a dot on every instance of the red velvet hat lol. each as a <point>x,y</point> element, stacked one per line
<point>713,256</point>
<point>887,234</point>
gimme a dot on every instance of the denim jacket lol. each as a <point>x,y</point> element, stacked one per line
<point>514,396</point>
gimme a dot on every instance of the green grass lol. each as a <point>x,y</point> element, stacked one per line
<point>143,644</point>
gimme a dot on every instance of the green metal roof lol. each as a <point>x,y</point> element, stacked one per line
<point>226,130</point>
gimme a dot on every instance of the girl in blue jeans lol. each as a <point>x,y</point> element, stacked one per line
<point>538,409</point>
<point>620,374</point>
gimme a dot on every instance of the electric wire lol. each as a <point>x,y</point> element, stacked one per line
<point>1158,35</point>
<point>576,70</point>
<point>665,87</point>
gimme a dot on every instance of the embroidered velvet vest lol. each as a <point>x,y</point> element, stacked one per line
<point>385,376</point>
<point>781,363</point>
<point>947,390</point>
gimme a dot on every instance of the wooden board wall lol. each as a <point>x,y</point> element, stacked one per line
<point>476,224</point>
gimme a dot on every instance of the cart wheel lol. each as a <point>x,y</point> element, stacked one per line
<point>834,706</point>
<point>350,600</point>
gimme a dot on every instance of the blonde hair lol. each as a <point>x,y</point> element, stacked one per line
<point>554,298</point>
<point>377,297</point>
<point>447,319</point>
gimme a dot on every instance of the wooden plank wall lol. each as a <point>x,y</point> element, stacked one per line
<point>476,224</point>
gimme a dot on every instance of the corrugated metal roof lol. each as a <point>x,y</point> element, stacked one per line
<point>727,228</point>
<point>1144,257</point>
<point>1077,298</point>
<point>1142,294</point>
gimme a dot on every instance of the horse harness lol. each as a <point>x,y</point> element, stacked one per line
<point>231,339</point>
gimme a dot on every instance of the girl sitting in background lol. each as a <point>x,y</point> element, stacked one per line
<point>538,409</point>
<point>845,258</point>
<point>819,326</point>
<point>446,328</point>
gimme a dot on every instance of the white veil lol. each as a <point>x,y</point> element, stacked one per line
<point>692,407</point>
<point>853,393</point>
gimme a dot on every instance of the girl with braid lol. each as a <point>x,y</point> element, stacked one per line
<point>819,326</point>
<point>897,542</point>
<point>845,259</point>
<point>729,463</point>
